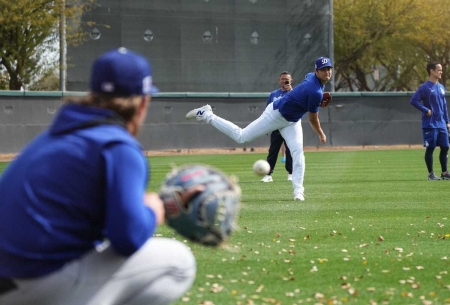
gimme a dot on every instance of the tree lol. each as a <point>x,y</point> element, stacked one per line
<point>47,81</point>
<point>29,33</point>
<point>394,37</point>
<point>432,35</point>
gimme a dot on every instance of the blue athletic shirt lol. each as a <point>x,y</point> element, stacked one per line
<point>70,189</point>
<point>305,97</point>
<point>275,96</point>
<point>431,96</point>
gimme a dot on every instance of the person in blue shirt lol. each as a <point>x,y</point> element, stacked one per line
<point>430,100</point>
<point>276,139</point>
<point>76,222</point>
<point>285,115</point>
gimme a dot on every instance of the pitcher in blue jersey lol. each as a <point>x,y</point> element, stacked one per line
<point>76,222</point>
<point>430,100</point>
<point>285,115</point>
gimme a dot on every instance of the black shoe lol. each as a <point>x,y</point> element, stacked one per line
<point>445,176</point>
<point>432,176</point>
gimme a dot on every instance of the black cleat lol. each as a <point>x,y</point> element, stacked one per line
<point>445,176</point>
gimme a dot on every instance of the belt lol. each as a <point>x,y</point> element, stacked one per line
<point>7,285</point>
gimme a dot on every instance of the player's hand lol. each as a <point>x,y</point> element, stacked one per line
<point>323,138</point>
<point>155,203</point>
<point>187,195</point>
<point>429,112</point>
<point>326,99</point>
<point>288,87</point>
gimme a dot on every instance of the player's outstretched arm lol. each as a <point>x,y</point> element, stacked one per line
<point>315,125</point>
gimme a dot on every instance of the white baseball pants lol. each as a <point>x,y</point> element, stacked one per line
<point>159,273</point>
<point>269,121</point>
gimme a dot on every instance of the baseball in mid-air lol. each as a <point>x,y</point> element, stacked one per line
<point>261,167</point>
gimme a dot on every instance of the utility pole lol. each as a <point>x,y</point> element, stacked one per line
<point>331,43</point>
<point>62,48</point>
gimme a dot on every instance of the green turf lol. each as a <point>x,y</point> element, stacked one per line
<point>372,230</point>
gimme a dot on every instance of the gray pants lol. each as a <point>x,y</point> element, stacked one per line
<point>159,273</point>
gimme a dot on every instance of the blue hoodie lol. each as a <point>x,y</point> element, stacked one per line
<point>76,184</point>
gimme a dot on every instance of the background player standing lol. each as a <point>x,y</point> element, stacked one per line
<point>284,114</point>
<point>276,139</point>
<point>430,100</point>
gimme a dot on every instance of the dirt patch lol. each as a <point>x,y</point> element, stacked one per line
<point>266,149</point>
<point>6,157</point>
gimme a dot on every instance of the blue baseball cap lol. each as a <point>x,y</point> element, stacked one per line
<point>122,72</point>
<point>323,62</point>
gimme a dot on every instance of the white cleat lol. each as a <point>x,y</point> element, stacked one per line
<point>267,178</point>
<point>299,196</point>
<point>201,114</point>
<point>289,177</point>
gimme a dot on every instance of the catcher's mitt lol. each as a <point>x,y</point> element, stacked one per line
<point>326,99</point>
<point>209,215</point>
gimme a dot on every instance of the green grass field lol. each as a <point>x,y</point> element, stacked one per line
<point>372,230</point>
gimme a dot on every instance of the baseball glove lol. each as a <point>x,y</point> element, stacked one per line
<point>326,99</point>
<point>208,218</point>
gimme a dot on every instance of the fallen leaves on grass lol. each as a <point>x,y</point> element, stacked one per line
<point>215,288</point>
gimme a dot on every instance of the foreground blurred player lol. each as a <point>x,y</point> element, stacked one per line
<point>284,114</point>
<point>81,183</point>
<point>430,100</point>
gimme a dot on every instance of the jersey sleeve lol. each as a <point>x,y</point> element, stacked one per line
<point>270,99</point>
<point>445,111</point>
<point>314,100</point>
<point>445,107</point>
<point>128,222</point>
<point>416,101</point>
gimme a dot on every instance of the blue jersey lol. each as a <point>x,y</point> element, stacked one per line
<point>72,187</point>
<point>275,96</point>
<point>431,96</point>
<point>305,97</point>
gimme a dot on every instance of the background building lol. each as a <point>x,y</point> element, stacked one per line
<point>209,45</point>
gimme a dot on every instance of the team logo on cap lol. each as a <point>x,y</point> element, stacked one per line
<point>107,87</point>
<point>322,62</point>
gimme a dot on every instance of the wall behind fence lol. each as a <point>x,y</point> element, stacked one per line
<point>352,119</point>
<point>214,46</point>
